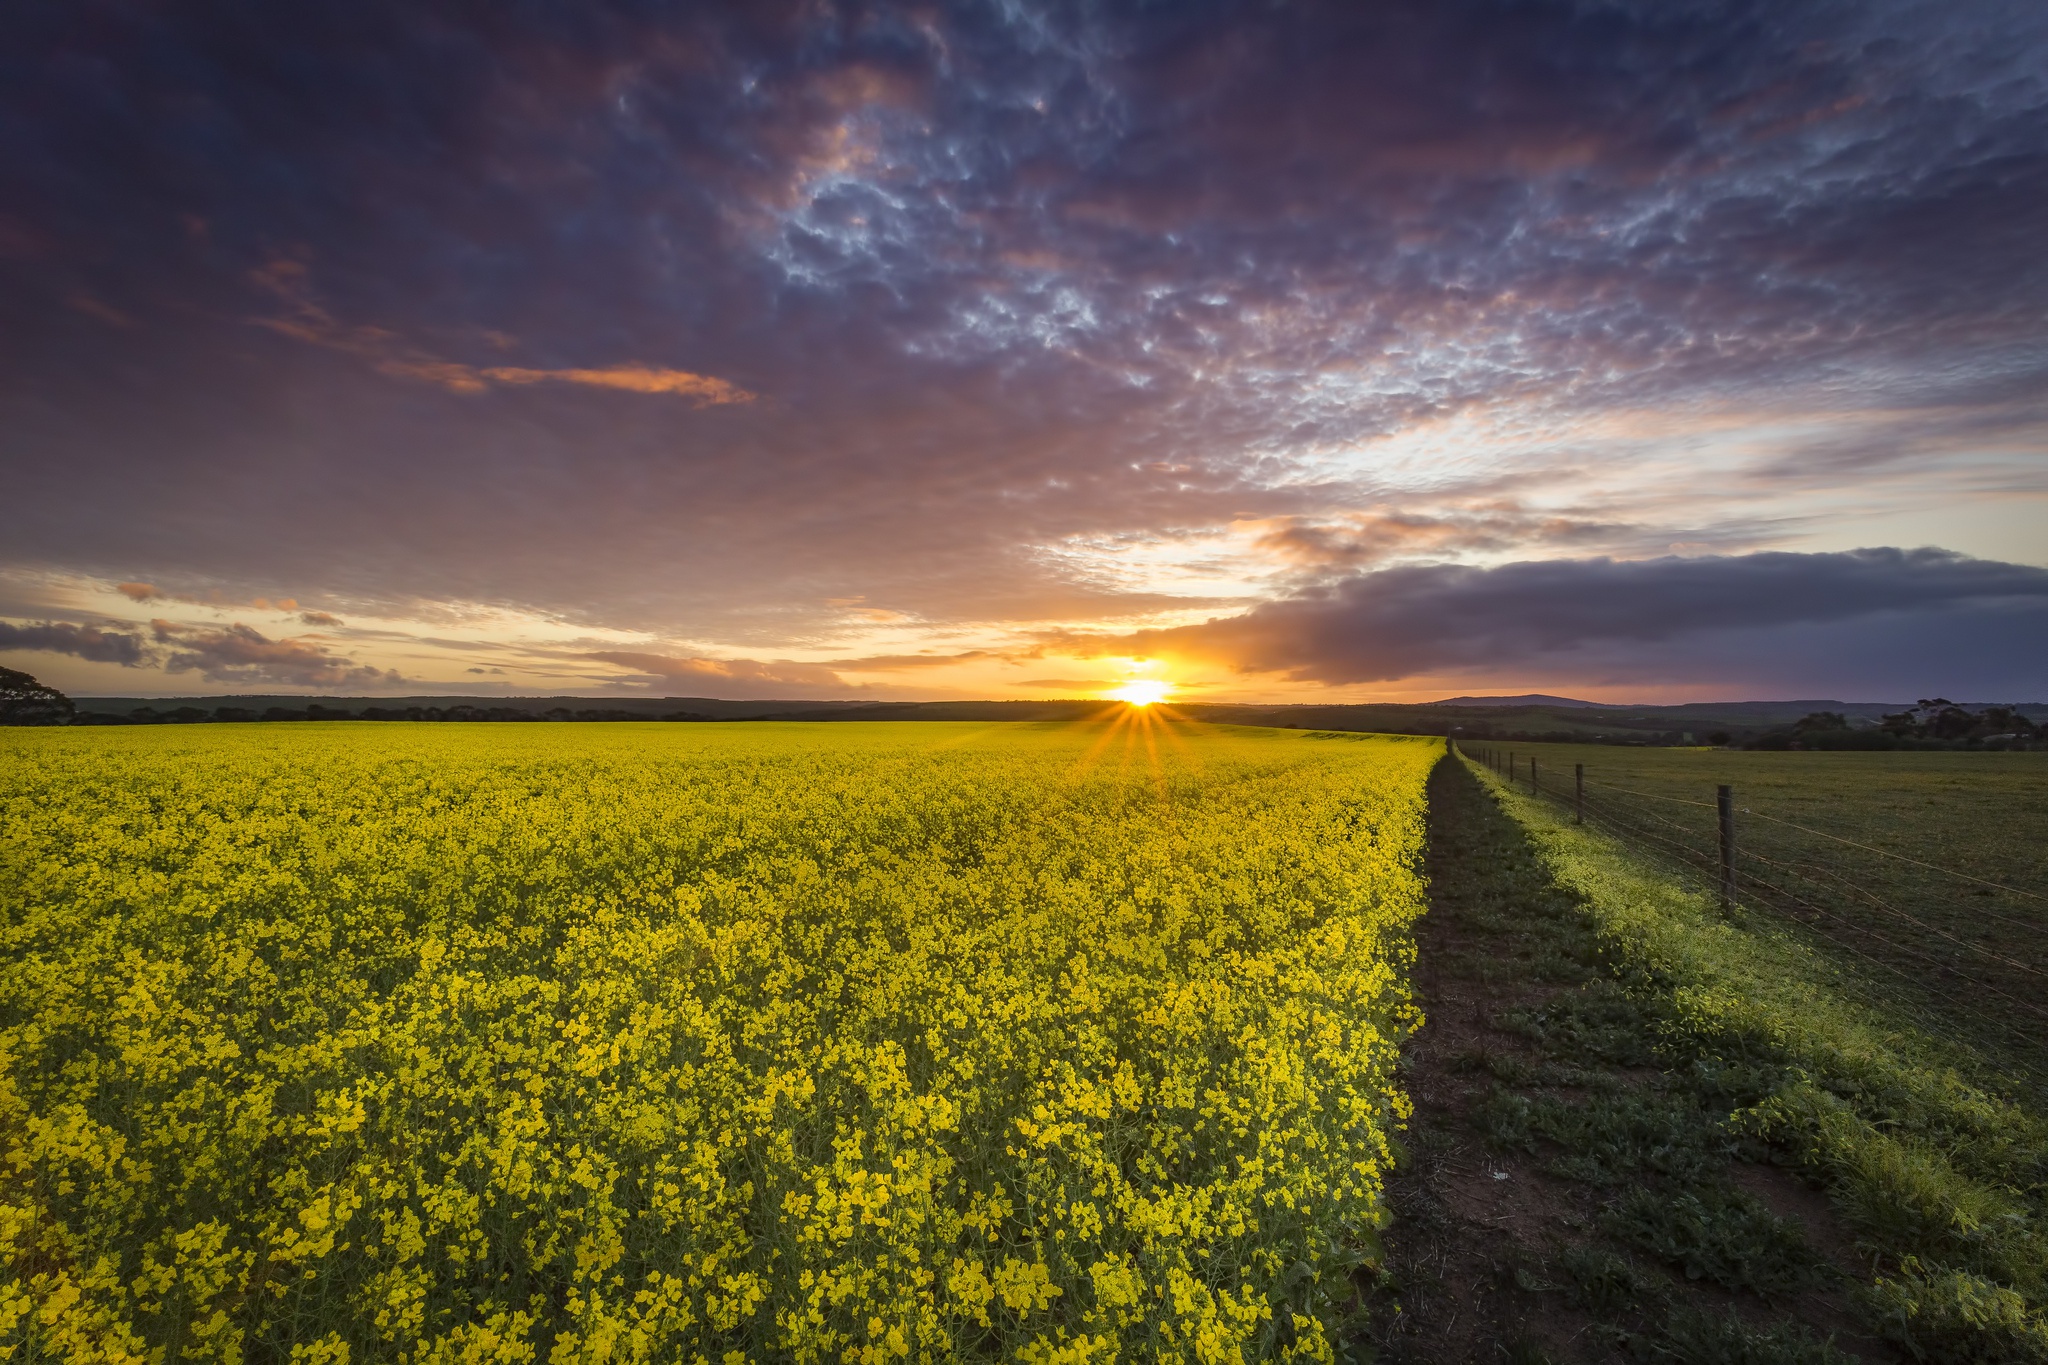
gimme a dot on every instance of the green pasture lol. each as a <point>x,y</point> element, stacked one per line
<point>1759,1055</point>
<point>1924,874</point>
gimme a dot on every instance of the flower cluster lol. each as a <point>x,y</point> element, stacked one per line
<point>847,1043</point>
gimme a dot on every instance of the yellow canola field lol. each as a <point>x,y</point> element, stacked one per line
<point>853,1042</point>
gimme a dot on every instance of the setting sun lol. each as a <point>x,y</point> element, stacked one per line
<point>1141,691</point>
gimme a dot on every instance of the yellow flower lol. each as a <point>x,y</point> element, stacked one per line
<point>661,1042</point>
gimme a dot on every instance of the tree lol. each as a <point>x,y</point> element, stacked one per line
<point>2003,720</point>
<point>24,701</point>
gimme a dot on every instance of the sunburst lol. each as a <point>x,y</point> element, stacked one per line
<point>1141,691</point>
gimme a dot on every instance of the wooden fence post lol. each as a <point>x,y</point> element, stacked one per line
<point>1579,797</point>
<point>1724,804</point>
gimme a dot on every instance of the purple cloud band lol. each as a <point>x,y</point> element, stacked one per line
<point>82,642</point>
<point>1419,619</point>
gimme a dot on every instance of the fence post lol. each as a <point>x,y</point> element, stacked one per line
<point>1532,774</point>
<point>1579,793</point>
<point>1511,765</point>
<point>1724,804</point>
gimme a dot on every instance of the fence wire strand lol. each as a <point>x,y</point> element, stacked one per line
<point>1636,824</point>
<point>1883,853</point>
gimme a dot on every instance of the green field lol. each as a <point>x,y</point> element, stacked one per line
<point>709,1043</point>
<point>1967,954</point>
<point>1037,1042</point>
<point>1664,1093</point>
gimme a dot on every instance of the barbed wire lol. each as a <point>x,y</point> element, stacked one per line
<point>1675,800</point>
<point>1909,951</point>
<point>1856,888</point>
<point>1910,919</point>
<point>1823,834</point>
<point>1885,853</point>
<point>1637,823</point>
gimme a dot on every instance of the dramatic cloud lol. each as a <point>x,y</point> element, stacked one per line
<point>309,322</point>
<point>731,677</point>
<point>631,378</point>
<point>800,329</point>
<point>238,654</point>
<point>1358,539</point>
<point>150,592</point>
<point>897,663</point>
<point>1438,618</point>
<point>1067,684</point>
<point>83,642</point>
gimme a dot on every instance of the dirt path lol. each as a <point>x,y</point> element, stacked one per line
<point>1571,1193</point>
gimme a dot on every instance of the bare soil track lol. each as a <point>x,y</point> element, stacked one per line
<point>1570,1192</point>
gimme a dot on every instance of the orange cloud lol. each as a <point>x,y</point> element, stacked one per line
<point>308,322</point>
<point>150,592</point>
<point>786,672</point>
<point>632,378</point>
<point>888,663</point>
<point>458,378</point>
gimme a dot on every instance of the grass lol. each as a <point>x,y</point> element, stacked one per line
<point>1965,959</point>
<point>1576,1190</point>
<point>1942,1182</point>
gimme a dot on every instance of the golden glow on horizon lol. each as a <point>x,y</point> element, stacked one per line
<point>1141,691</point>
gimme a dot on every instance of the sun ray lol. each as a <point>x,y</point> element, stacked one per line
<point>1141,691</point>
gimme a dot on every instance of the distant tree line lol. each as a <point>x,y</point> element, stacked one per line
<point>1641,739</point>
<point>1932,723</point>
<point>24,701</point>
<point>193,715</point>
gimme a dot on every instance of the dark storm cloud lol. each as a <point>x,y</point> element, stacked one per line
<point>1435,618</point>
<point>83,642</point>
<point>395,303</point>
<point>240,654</point>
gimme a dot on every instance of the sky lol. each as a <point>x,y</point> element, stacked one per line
<point>1654,351</point>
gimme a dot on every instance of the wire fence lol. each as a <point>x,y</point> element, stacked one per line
<point>1988,992</point>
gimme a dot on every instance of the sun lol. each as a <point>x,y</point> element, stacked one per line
<point>1141,691</point>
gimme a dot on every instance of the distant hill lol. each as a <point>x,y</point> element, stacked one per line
<point>1528,716</point>
<point>1525,699</point>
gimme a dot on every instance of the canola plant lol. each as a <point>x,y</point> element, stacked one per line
<point>338,1042</point>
